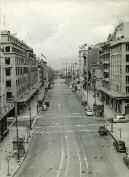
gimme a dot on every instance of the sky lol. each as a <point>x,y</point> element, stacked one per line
<point>57,28</point>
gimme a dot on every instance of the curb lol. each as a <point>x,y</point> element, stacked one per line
<point>17,169</point>
<point>111,134</point>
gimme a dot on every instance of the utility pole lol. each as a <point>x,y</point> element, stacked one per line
<point>66,72</point>
<point>17,133</point>
<point>120,132</point>
<point>95,89</point>
<point>30,117</point>
<point>88,50</point>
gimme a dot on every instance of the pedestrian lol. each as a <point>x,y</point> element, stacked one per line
<point>37,108</point>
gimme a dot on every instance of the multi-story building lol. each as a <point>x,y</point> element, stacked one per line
<point>20,68</point>
<point>5,107</point>
<point>115,56</point>
<point>105,60</point>
<point>83,64</point>
<point>43,73</point>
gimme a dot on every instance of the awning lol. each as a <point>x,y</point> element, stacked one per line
<point>113,94</point>
<point>28,94</point>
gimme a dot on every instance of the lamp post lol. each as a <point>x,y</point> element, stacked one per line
<point>120,132</point>
<point>17,133</point>
<point>94,89</point>
<point>30,117</point>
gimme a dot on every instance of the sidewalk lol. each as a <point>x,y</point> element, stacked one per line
<point>6,146</point>
<point>108,112</point>
<point>120,130</point>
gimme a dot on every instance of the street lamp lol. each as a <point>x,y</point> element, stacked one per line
<point>17,133</point>
<point>94,80</point>
<point>30,117</point>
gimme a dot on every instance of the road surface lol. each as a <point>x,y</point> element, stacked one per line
<point>66,142</point>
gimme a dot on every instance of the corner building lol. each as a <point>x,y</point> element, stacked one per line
<point>20,67</point>
<point>115,59</point>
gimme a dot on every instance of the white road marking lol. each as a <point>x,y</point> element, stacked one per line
<point>61,160</point>
<point>73,116</point>
<point>76,113</point>
<point>69,131</point>
<point>78,125</point>
<point>58,124</point>
<point>80,164</point>
<point>68,157</point>
<point>59,106</point>
<point>85,160</point>
<point>87,165</point>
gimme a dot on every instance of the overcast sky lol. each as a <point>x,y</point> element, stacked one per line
<point>57,27</point>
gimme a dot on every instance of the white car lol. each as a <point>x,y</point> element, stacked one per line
<point>89,112</point>
<point>120,119</point>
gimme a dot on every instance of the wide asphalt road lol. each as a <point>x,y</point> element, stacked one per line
<point>66,142</point>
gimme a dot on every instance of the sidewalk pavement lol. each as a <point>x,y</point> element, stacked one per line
<point>6,146</point>
<point>108,112</point>
<point>6,151</point>
<point>120,130</point>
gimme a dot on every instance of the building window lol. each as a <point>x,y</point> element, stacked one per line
<point>9,96</point>
<point>127,79</point>
<point>7,60</point>
<point>127,58</point>
<point>8,83</point>
<point>8,71</point>
<point>127,47</point>
<point>127,90</point>
<point>127,68</point>
<point>7,49</point>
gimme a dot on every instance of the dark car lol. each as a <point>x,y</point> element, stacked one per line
<point>102,131</point>
<point>119,145</point>
<point>47,103</point>
<point>126,160</point>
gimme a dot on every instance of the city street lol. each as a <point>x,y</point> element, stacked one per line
<point>66,142</point>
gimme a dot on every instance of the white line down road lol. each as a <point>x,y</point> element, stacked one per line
<point>66,142</point>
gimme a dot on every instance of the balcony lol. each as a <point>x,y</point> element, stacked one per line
<point>10,100</point>
<point>6,109</point>
<point>106,62</point>
<point>106,70</point>
<point>106,79</point>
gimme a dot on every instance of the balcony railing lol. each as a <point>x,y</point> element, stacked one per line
<point>106,62</point>
<point>9,100</point>
<point>106,70</point>
<point>106,79</point>
<point>6,108</point>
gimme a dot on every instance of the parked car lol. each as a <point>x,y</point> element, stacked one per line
<point>47,103</point>
<point>126,160</point>
<point>44,107</point>
<point>119,145</point>
<point>120,119</point>
<point>89,112</point>
<point>102,131</point>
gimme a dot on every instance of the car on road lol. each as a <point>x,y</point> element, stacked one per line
<point>120,119</point>
<point>102,131</point>
<point>89,112</point>
<point>47,103</point>
<point>126,160</point>
<point>44,107</point>
<point>119,146</point>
